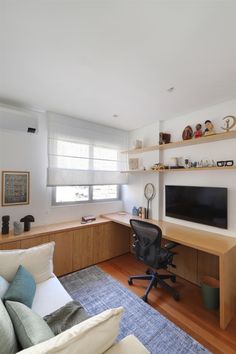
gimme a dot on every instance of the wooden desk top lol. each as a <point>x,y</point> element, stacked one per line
<point>50,229</point>
<point>199,239</point>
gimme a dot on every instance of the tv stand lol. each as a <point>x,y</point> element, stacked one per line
<point>220,246</point>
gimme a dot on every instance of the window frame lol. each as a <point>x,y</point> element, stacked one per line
<point>90,200</point>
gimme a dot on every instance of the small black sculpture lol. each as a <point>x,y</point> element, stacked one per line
<point>5,224</point>
<point>27,220</point>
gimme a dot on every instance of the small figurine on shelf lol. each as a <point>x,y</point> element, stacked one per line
<point>198,131</point>
<point>187,133</point>
<point>5,224</point>
<point>138,144</point>
<point>209,128</point>
<point>135,211</point>
<point>27,222</point>
<point>187,163</point>
<point>164,138</point>
<point>157,167</point>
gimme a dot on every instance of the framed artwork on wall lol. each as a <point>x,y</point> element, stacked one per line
<point>15,188</point>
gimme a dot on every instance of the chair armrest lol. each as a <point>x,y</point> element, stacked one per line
<point>170,245</point>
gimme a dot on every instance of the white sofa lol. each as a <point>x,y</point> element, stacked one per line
<point>50,295</point>
<point>45,302</point>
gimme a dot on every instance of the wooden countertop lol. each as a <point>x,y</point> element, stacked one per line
<point>199,239</point>
<point>50,229</point>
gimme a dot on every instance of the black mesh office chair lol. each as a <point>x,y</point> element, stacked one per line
<point>147,246</point>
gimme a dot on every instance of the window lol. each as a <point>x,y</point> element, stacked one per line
<point>81,194</point>
<point>71,194</point>
<point>77,156</point>
<point>105,192</point>
<point>83,154</point>
<point>84,161</point>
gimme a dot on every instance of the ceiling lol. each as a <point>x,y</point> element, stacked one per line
<point>95,59</point>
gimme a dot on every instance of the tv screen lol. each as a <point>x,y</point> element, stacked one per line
<point>203,205</point>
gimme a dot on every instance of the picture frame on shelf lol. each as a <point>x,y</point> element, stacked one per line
<point>133,164</point>
<point>15,188</point>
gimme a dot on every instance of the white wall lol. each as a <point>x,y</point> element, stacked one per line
<point>23,152</point>
<point>222,150</point>
<point>19,151</point>
<point>133,193</point>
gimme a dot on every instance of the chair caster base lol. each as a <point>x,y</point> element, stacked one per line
<point>176,296</point>
<point>144,298</point>
<point>130,281</point>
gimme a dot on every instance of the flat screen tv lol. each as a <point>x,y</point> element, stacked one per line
<point>203,205</point>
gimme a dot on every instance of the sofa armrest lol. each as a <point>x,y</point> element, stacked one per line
<point>129,344</point>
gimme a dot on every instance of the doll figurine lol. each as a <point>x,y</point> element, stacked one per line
<point>187,133</point>
<point>209,128</point>
<point>198,131</point>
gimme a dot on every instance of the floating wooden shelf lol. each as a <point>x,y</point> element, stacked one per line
<point>182,169</point>
<point>203,140</point>
<point>139,151</point>
<point>139,171</point>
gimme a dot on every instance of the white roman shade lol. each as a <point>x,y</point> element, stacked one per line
<point>84,153</point>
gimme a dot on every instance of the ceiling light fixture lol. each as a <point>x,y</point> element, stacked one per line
<point>115,116</point>
<point>170,89</point>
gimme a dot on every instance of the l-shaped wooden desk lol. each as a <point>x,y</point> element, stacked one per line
<point>208,243</point>
<point>79,246</point>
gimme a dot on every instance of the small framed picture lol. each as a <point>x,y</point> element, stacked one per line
<point>15,188</point>
<point>133,163</point>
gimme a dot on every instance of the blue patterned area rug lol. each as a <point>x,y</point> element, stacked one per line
<point>98,291</point>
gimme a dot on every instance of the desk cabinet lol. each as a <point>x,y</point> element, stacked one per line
<point>77,248</point>
<point>32,242</point>
<point>10,245</point>
<point>62,259</point>
<point>95,244</point>
<point>83,248</point>
<point>186,261</point>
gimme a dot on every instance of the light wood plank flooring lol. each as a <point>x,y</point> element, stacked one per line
<point>188,313</point>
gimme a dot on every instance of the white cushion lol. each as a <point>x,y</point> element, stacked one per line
<point>4,285</point>
<point>49,296</point>
<point>37,260</point>
<point>93,336</point>
<point>128,345</point>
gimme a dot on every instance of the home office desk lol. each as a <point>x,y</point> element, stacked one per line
<point>223,247</point>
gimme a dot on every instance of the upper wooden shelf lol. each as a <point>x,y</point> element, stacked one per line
<point>223,168</point>
<point>203,140</point>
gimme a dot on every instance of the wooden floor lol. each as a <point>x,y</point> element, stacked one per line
<point>188,313</point>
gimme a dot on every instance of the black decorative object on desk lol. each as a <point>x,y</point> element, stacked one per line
<point>27,220</point>
<point>5,224</point>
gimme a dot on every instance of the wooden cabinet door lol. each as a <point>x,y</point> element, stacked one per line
<point>62,259</point>
<point>32,242</point>
<point>97,243</point>
<point>110,240</point>
<point>83,248</point>
<point>10,245</point>
<point>102,242</point>
<point>186,263</point>
<point>120,239</point>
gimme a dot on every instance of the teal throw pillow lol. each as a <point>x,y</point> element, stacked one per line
<point>4,285</point>
<point>22,288</point>
<point>8,341</point>
<point>30,328</point>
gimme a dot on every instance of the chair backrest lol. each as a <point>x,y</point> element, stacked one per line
<point>148,241</point>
